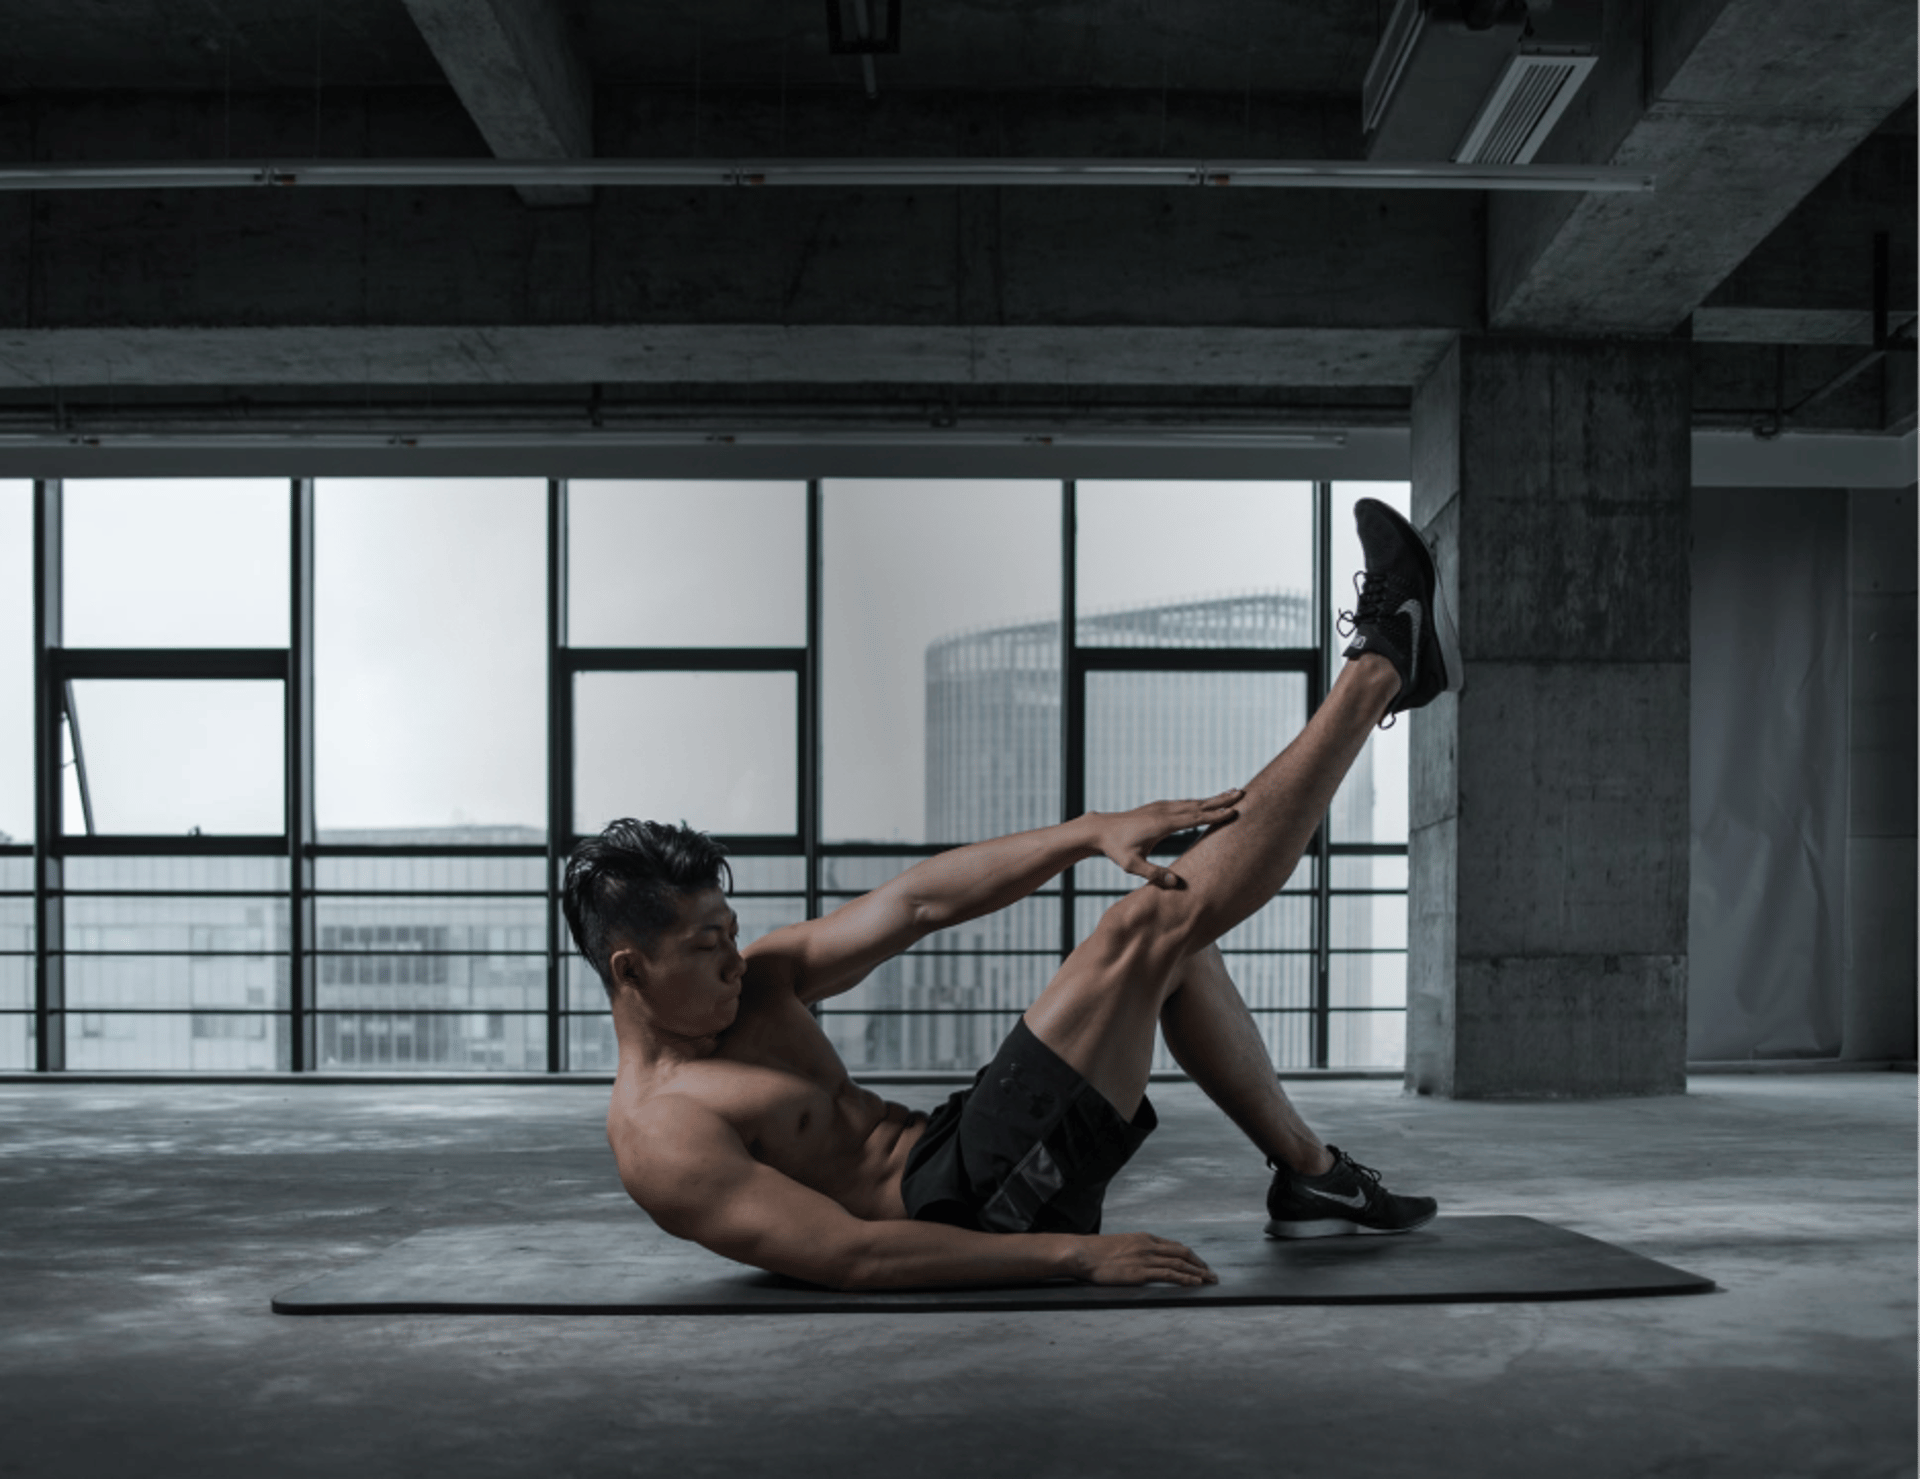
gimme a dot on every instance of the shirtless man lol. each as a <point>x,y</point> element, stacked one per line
<point>735,1124</point>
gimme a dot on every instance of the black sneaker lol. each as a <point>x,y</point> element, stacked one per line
<point>1347,1199</point>
<point>1400,612</point>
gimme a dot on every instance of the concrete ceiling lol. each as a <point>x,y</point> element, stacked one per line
<point>1211,45</point>
<point>1783,135</point>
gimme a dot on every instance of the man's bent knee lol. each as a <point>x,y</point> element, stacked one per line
<point>1151,930</point>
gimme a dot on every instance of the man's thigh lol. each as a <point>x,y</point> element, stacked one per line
<point>1030,1147</point>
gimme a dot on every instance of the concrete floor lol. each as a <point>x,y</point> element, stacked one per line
<point>143,1229</point>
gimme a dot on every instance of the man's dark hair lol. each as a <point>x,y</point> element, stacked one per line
<point>627,883</point>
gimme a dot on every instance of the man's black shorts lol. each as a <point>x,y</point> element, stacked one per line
<point>1029,1148</point>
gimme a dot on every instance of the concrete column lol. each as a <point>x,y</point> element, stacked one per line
<point>1878,1016</point>
<point>1549,800</point>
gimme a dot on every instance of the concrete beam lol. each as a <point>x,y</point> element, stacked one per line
<point>1716,325</point>
<point>516,70</point>
<point>1811,280</point>
<point>580,354</point>
<point>1742,107</point>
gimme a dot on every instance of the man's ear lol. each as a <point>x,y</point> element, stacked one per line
<point>628,967</point>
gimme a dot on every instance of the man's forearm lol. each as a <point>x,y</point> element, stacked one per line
<point>921,1255</point>
<point>966,882</point>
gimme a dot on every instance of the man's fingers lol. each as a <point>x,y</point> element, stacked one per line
<point>1150,1259</point>
<point>1159,877</point>
<point>1215,809</point>
<point>1181,1254</point>
<point>1185,1271</point>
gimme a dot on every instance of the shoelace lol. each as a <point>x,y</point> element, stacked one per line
<point>1375,597</point>
<point>1340,1158</point>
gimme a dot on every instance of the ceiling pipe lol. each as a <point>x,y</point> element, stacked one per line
<point>1118,436</point>
<point>1307,174</point>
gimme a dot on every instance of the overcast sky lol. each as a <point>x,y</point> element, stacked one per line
<point>431,628</point>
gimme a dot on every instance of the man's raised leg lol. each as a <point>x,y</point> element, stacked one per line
<point>1100,1011</point>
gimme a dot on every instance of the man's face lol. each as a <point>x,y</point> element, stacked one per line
<point>691,978</point>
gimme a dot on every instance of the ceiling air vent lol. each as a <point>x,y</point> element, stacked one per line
<point>1522,109</point>
<point>1476,81</point>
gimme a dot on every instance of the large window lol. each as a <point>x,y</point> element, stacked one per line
<point>315,752</point>
<point>425,926</point>
<point>941,660</point>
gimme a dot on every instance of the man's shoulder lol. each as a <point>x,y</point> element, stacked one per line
<point>712,1097</point>
<point>694,1104</point>
<point>662,1140</point>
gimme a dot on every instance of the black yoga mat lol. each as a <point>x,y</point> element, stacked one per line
<point>631,1268</point>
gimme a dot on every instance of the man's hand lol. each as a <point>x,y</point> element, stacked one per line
<point>1140,1258</point>
<point>1128,836</point>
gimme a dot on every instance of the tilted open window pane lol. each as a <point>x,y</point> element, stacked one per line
<point>1195,564</point>
<point>940,660</point>
<point>174,756</point>
<point>16,661</point>
<point>686,564</point>
<point>1155,735</point>
<point>1371,804</point>
<point>716,750</point>
<point>161,562</point>
<point>430,657</point>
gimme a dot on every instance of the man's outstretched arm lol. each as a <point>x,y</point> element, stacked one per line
<point>688,1168</point>
<point>830,955</point>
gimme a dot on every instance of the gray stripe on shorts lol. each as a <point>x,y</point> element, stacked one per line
<point>1027,1189</point>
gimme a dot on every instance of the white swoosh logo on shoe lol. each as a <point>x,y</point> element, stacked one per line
<point>1414,612</point>
<point>1358,1199</point>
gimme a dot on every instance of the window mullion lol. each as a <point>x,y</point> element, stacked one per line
<point>49,1018</point>
<point>299,766</point>
<point>1323,857</point>
<point>559,767</point>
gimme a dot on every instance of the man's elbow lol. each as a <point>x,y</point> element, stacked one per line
<point>853,1271</point>
<point>930,917</point>
<point>854,1267</point>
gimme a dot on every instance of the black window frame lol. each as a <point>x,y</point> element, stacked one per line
<point>55,665</point>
